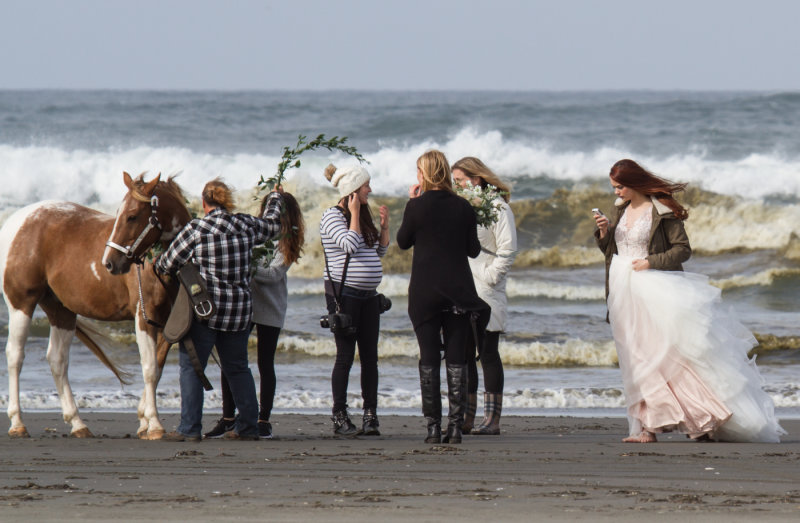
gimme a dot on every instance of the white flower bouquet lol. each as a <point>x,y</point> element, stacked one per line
<point>485,202</point>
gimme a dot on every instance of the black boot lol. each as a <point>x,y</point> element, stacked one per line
<point>342,426</point>
<point>457,396</point>
<point>370,423</point>
<point>430,387</point>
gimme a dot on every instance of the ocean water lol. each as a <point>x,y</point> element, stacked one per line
<point>740,152</point>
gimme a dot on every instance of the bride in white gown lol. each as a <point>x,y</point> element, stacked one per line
<point>683,358</point>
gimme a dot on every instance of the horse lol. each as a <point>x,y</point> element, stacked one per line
<point>50,256</point>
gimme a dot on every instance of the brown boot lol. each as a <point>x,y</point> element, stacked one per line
<point>492,407</point>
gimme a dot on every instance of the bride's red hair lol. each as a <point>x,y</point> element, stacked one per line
<point>630,174</point>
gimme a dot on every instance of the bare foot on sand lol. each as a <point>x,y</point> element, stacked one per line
<point>643,437</point>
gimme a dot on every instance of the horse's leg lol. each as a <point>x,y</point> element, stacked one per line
<point>58,357</point>
<point>18,325</point>
<point>149,425</point>
<point>62,330</point>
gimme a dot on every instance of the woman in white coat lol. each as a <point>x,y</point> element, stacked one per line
<point>489,269</point>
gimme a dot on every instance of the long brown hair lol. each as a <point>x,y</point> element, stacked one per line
<point>368,229</point>
<point>293,228</point>
<point>630,174</point>
<point>475,168</point>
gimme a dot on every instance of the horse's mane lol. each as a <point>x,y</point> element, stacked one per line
<point>169,186</point>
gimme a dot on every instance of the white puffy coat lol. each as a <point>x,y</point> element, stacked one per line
<point>490,268</point>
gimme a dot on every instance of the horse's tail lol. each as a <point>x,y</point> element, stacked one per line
<point>92,338</point>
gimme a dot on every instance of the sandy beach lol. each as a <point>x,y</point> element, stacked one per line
<point>538,469</point>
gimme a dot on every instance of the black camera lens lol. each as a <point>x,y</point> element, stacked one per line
<point>384,303</point>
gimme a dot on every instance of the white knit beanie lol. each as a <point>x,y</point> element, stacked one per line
<point>347,179</point>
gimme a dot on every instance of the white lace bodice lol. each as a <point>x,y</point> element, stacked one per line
<point>632,240</point>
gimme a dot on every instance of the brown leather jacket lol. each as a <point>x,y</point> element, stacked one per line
<point>668,247</point>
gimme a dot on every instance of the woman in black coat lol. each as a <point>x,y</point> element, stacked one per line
<point>443,304</point>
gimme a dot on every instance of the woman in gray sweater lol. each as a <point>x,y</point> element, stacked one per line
<point>269,292</point>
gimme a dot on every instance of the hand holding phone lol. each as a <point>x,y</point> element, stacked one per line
<point>601,221</point>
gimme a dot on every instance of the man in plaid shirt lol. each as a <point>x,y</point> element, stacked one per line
<point>221,245</point>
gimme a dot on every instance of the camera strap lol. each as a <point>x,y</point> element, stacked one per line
<point>336,298</point>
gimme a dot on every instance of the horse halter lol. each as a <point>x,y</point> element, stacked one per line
<point>152,223</point>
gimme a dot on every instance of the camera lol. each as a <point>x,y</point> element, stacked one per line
<point>338,323</point>
<point>384,303</point>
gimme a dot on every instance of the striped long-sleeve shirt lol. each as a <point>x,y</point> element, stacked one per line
<point>364,270</point>
<point>221,246</point>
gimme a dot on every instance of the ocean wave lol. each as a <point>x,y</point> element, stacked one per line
<point>525,288</point>
<point>518,351</point>
<point>718,227</point>
<point>557,231</point>
<point>769,343</point>
<point>555,228</point>
<point>394,398</point>
<point>571,353</point>
<point>94,177</point>
<point>515,158</point>
<point>763,278</point>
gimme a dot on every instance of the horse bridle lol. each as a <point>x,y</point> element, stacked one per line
<point>129,251</point>
<point>152,223</point>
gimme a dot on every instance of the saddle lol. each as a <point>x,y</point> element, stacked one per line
<point>193,301</point>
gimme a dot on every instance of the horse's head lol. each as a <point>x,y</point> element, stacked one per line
<point>150,212</point>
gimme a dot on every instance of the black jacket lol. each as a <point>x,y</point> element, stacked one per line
<point>441,227</point>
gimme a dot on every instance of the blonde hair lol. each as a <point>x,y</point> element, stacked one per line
<point>217,194</point>
<point>475,168</point>
<point>435,171</point>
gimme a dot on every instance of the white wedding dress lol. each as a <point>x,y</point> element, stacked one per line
<point>683,359</point>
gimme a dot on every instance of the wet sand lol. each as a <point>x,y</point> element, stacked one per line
<point>538,469</point>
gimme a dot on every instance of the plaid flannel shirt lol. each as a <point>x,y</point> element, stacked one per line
<point>221,246</point>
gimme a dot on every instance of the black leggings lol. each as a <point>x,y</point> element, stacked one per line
<point>493,379</point>
<point>456,330</point>
<point>267,344</point>
<point>366,319</point>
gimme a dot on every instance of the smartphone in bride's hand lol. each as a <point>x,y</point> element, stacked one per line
<point>597,212</point>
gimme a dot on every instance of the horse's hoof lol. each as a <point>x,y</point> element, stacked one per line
<point>19,432</point>
<point>82,433</point>
<point>152,435</point>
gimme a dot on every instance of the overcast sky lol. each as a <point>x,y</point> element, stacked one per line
<point>404,44</point>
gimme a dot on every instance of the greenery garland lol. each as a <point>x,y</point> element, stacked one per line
<point>291,157</point>
<point>263,254</point>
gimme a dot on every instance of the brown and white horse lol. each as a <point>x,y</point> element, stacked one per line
<point>50,255</point>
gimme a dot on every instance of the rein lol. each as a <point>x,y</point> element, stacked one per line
<point>152,223</point>
<point>141,297</point>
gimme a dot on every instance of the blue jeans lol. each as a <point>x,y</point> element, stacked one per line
<point>232,350</point>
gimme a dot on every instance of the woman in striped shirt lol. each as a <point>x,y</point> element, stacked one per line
<point>350,240</point>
